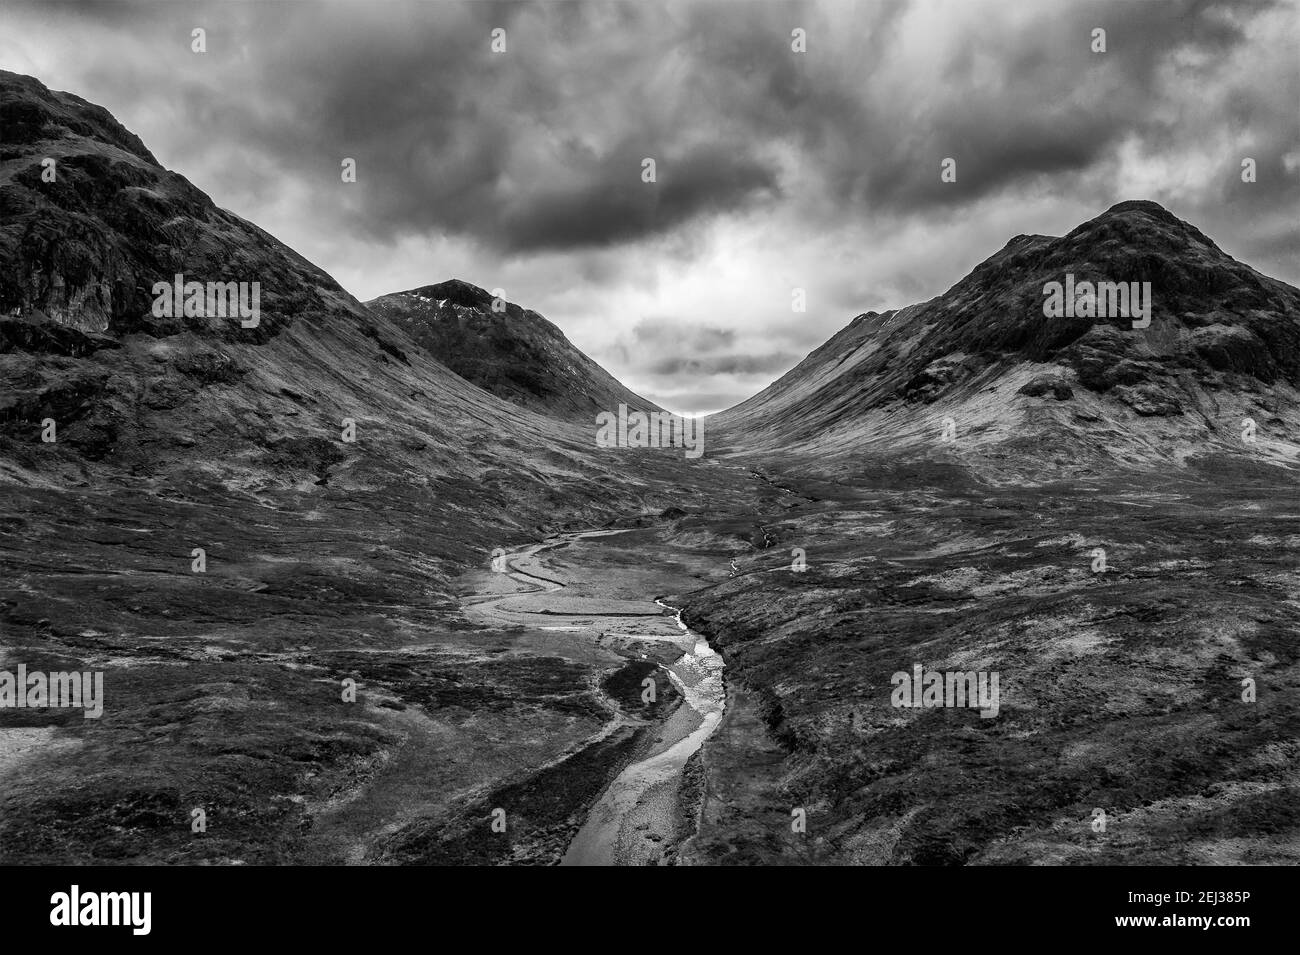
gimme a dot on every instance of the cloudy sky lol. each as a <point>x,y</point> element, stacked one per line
<point>775,169</point>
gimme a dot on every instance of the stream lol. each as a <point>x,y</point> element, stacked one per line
<point>636,818</point>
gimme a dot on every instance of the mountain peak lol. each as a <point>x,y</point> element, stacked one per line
<point>512,352</point>
<point>86,247</point>
<point>1144,206</point>
<point>31,112</point>
<point>1142,221</point>
<point>455,292</point>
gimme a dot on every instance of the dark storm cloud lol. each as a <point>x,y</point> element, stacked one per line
<point>536,148</point>
<point>607,202</point>
<point>667,331</point>
<point>540,147</point>
<point>1014,100</point>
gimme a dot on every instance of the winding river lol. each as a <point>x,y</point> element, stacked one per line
<point>637,817</point>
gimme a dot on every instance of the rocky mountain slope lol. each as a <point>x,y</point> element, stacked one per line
<point>1026,392</point>
<point>512,352</point>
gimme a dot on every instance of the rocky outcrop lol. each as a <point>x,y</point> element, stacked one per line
<point>1041,386</point>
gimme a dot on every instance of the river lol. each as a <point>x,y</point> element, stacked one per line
<point>636,819</point>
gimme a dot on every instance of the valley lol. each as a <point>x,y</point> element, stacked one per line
<point>433,604</point>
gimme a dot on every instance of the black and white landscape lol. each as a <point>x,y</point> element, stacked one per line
<point>892,458</point>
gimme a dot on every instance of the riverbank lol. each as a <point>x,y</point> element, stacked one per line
<point>639,819</point>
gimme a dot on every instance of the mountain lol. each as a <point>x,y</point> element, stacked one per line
<point>512,352</point>
<point>1028,392</point>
